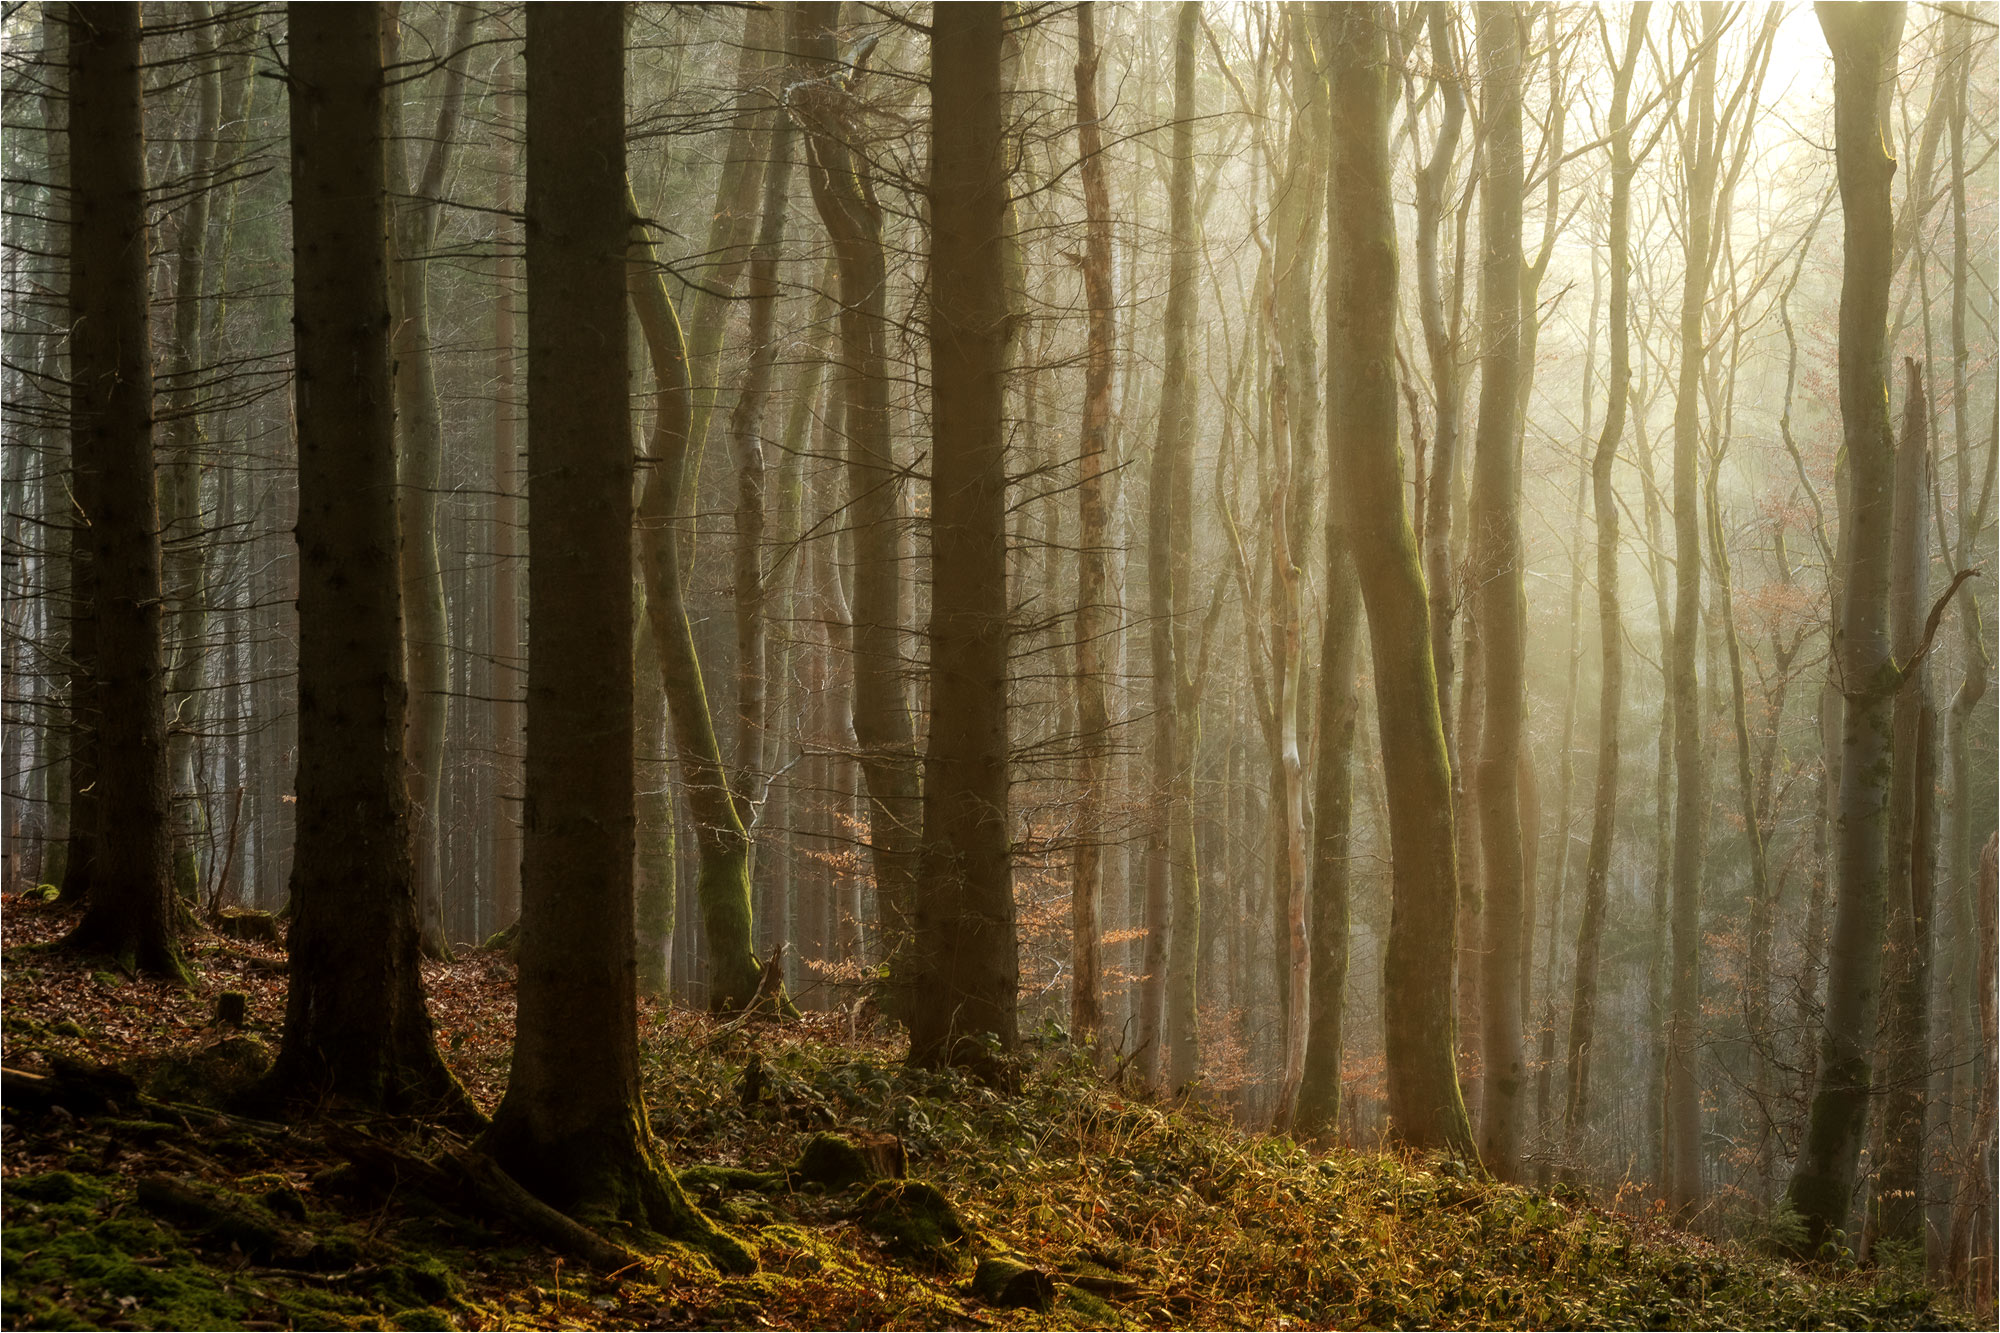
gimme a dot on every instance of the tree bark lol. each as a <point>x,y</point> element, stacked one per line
<point>1425,1107</point>
<point>420,468</point>
<point>1496,568</point>
<point>965,956</point>
<point>1897,1211</point>
<point>1094,612</point>
<point>131,913</point>
<point>356,1024</point>
<point>843,189</point>
<point>1611,686</point>
<point>1864,42</point>
<point>572,1127</point>
<point>1681,1150</point>
<point>722,842</point>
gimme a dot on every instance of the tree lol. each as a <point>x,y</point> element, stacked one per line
<point>420,465</point>
<point>843,189</point>
<point>1611,686</point>
<point>572,1127</point>
<point>1425,1106</point>
<point>1496,568</point>
<point>965,961</point>
<point>130,915</point>
<point>356,1024</point>
<point>1093,581</point>
<point>1337,707</point>
<point>1173,908</point>
<point>1863,39</point>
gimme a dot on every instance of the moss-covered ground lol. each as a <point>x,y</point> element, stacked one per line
<point>1069,1205</point>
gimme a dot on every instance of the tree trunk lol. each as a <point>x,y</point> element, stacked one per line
<point>505,827</point>
<point>1496,568</point>
<point>420,469</point>
<point>1338,707</point>
<point>1094,613</point>
<point>1682,1121</point>
<point>131,913</point>
<point>844,190</point>
<point>572,1127</point>
<point>1424,1102</point>
<point>722,879</point>
<point>1611,687</point>
<point>965,948</point>
<point>1897,1211</point>
<point>356,1025</point>
<point>1864,43</point>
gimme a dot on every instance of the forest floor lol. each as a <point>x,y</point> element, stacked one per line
<point>1069,1205</point>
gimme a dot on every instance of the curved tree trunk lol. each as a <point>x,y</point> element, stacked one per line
<point>1425,1106</point>
<point>1611,687</point>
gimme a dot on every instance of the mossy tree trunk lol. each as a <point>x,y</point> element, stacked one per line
<point>1425,1106</point>
<point>722,843</point>
<point>356,1025</point>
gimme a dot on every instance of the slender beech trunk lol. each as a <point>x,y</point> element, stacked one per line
<point>185,558</point>
<point>965,948</point>
<point>1164,1020</point>
<point>653,877</point>
<point>1425,1107</point>
<point>746,445</point>
<point>1094,612</point>
<point>1611,689</point>
<point>1496,567</point>
<point>131,915</point>
<point>1338,707</point>
<point>420,469</point>
<point>722,843</point>
<point>505,826</point>
<point>1681,1149</point>
<point>1896,1214</point>
<point>1864,41</point>
<point>356,1025</point>
<point>843,189</point>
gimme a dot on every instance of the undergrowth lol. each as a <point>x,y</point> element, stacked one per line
<point>1068,1205</point>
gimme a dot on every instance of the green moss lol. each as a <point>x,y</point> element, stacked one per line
<point>422,1281</point>
<point>916,1221</point>
<point>213,1075</point>
<point>55,1187</point>
<point>421,1316</point>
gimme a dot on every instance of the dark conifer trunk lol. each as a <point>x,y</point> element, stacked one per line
<point>356,1025</point>
<point>572,1127</point>
<point>131,913</point>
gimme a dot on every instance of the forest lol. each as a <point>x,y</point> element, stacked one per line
<point>1022,664</point>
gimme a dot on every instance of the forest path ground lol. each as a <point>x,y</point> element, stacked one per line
<point>1067,1206</point>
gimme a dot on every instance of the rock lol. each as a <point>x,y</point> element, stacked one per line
<point>1009,1283</point>
<point>857,1158</point>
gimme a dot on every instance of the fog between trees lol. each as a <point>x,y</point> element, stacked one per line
<point>1417,574</point>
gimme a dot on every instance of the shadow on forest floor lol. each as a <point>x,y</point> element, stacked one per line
<point>128,1205</point>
